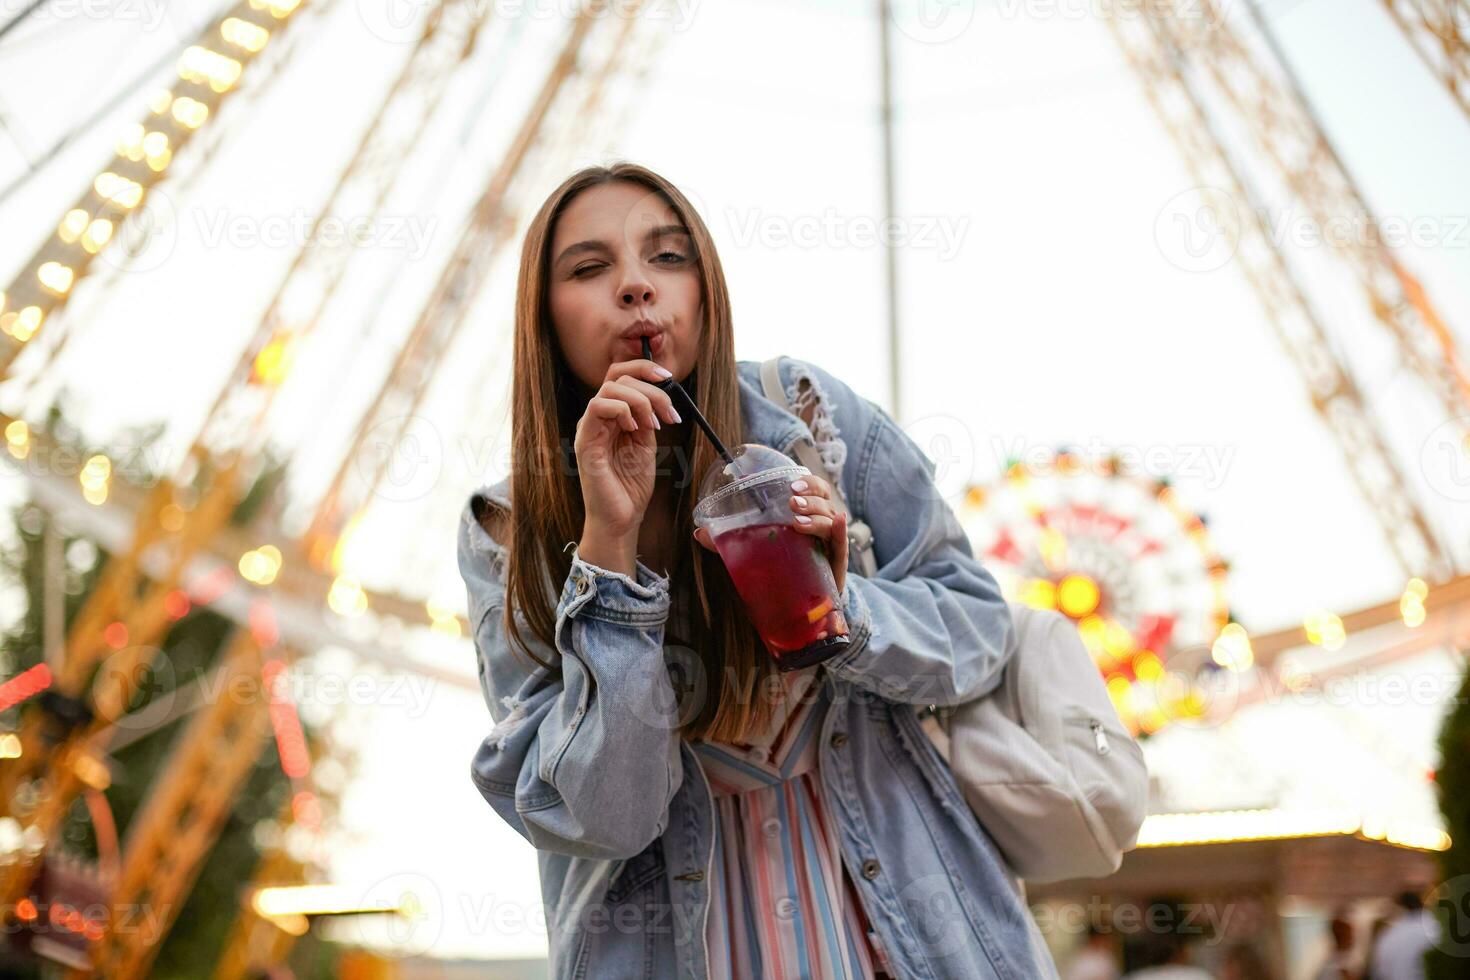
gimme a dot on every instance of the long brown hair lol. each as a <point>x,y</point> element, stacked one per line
<point>732,698</point>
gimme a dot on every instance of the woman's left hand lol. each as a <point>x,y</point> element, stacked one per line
<point>811,500</point>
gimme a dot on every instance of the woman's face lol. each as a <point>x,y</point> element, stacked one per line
<point>620,258</point>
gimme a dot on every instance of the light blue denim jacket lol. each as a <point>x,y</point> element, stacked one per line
<point>588,767</point>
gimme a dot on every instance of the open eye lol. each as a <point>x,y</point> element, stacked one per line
<point>675,256</point>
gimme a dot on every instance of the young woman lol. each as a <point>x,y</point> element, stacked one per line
<point>696,812</point>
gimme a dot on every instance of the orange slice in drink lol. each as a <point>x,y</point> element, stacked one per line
<point>817,612</point>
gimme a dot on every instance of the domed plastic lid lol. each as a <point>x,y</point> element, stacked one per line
<point>754,465</point>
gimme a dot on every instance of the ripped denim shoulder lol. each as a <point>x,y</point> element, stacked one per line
<point>805,392</point>
<point>478,541</point>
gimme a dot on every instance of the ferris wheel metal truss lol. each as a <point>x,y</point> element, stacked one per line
<point>1437,30</point>
<point>180,518</point>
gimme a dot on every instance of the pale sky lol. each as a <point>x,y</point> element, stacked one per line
<point>1046,297</point>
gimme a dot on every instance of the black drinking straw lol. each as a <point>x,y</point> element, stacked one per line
<point>679,395</point>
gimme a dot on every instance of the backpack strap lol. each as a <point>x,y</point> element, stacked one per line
<point>859,535</point>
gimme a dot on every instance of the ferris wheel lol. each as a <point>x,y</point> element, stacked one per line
<point>1120,555</point>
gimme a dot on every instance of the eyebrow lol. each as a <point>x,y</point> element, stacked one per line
<point>590,245</point>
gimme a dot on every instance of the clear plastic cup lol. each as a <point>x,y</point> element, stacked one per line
<point>783,576</point>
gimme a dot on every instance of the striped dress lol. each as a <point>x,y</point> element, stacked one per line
<point>782,905</point>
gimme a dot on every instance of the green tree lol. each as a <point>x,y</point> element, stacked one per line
<point>1450,959</point>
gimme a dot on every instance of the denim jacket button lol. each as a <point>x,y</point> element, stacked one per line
<point>839,740</point>
<point>581,585</point>
<point>870,869</point>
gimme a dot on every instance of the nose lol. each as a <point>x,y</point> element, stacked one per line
<point>636,291</point>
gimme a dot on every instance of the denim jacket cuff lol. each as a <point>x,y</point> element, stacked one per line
<point>602,593</point>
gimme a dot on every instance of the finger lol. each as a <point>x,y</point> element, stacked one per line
<point>639,367</point>
<point>812,506</point>
<point>812,486</point>
<point>657,396</point>
<point>702,536</point>
<point>613,410</point>
<point>839,550</point>
<point>642,407</point>
<point>817,525</point>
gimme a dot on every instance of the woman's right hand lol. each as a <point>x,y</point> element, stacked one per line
<point>616,447</point>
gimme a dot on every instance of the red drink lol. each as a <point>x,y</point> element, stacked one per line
<point>785,580</point>
<point>782,576</point>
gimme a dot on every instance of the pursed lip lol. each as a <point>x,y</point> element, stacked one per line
<point>641,328</point>
<point>633,338</point>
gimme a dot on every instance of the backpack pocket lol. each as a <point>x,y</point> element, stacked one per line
<point>1111,778</point>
